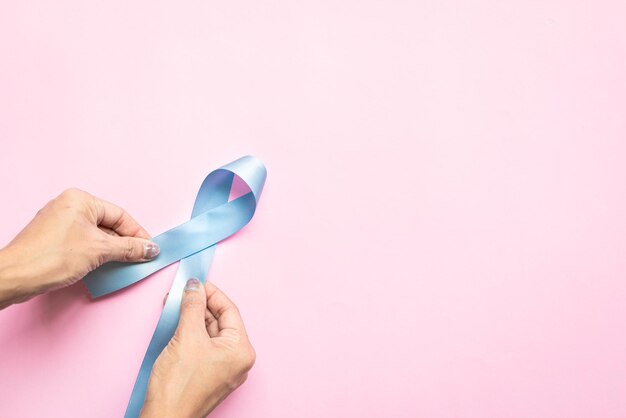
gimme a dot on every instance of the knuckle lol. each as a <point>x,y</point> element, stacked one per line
<point>240,358</point>
<point>72,193</point>
<point>237,381</point>
<point>251,357</point>
<point>104,252</point>
<point>101,258</point>
<point>129,250</point>
<point>246,358</point>
<point>71,199</point>
<point>44,209</point>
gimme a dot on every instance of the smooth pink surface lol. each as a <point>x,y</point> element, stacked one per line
<point>442,234</point>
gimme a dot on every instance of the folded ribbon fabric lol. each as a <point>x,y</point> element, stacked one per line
<point>214,218</point>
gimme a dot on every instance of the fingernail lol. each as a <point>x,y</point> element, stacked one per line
<point>193,285</point>
<point>150,250</point>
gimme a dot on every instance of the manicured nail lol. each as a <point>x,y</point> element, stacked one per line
<point>193,285</point>
<point>150,250</point>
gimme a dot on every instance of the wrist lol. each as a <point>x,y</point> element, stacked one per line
<point>153,409</point>
<point>190,407</point>
<point>15,281</point>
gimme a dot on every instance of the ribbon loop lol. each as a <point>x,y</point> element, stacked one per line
<point>192,243</point>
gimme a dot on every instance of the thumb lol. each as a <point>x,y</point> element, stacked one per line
<point>132,249</point>
<point>192,308</point>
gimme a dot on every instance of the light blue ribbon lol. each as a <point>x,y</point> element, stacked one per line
<point>213,219</point>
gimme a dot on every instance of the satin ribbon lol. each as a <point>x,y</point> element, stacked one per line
<point>213,219</point>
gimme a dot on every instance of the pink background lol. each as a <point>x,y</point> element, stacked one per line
<point>443,230</point>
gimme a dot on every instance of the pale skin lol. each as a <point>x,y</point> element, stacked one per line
<point>210,354</point>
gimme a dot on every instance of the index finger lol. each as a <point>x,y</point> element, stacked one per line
<point>117,219</point>
<point>224,310</point>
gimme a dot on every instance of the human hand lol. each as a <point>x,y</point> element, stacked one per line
<point>208,357</point>
<point>72,235</point>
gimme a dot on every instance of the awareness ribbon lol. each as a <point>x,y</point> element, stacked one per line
<point>213,219</point>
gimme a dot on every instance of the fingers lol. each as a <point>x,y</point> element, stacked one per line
<point>223,310</point>
<point>192,309</point>
<point>129,249</point>
<point>117,219</point>
<point>128,240</point>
